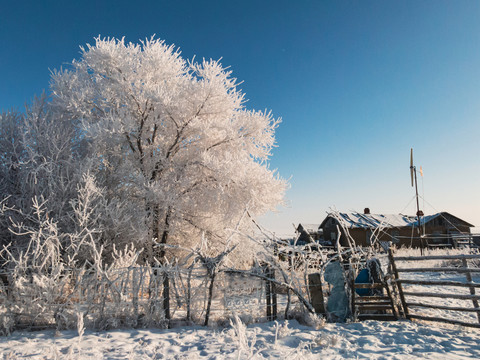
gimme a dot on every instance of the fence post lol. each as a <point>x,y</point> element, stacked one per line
<point>271,296</point>
<point>135,291</point>
<point>316,293</point>
<point>351,275</point>
<point>268,294</point>
<point>189,292</point>
<point>274,294</point>
<point>468,274</point>
<point>166,297</point>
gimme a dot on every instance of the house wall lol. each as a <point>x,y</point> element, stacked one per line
<point>405,237</point>
<point>330,232</point>
<point>359,235</point>
<point>363,237</point>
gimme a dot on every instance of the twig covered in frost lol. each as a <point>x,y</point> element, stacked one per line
<point>245,345</point>
<point>80,326</point>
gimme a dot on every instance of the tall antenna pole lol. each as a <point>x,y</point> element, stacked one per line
<point>416,194</point>
<point>413,175</point>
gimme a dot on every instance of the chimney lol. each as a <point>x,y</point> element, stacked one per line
<point>366,211</point>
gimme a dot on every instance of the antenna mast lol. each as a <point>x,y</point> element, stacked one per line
<point>413,176</point>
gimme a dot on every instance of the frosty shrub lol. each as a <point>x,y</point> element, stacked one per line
<point>281,331</point>
<point>239,335</point>
<point>313,320</point>
<point>80,326</point>
<point>325,340</point>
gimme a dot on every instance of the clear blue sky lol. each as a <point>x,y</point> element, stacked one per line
<point>357,83</point>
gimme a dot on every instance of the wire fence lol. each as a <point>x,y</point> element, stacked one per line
<point>136,297</point>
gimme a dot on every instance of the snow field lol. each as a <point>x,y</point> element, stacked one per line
<point>282,340</point>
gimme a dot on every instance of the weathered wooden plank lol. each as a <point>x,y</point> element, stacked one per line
<point>435,257</point>
<point>443,296</point>
<point>377,317</point>
<point>442,307</point>
<point>472,289</point>
<point>438,319</point>
<point>268,294</point>
<point>371,298</point>
<point>392,302</point>
<point>433,246</point>
<point>373,303</point>
<point>399,285</point>
<point>438,283</point>
<point>374,307</point>
<point>368,286</point>
<point>439,269</point>
<point>316,293</point>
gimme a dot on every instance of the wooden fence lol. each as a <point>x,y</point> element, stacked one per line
<point>455,272</point>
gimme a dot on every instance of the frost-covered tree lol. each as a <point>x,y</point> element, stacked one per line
<point>172,136</point>
<point>40,161</point>
<point>45,158</point>
<point>39,157</point>
<point>12,154</point>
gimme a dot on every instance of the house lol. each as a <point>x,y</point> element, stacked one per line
<point>307,233</point>
<point>441,229</point>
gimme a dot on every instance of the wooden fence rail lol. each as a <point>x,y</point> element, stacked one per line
<point>406,295</point>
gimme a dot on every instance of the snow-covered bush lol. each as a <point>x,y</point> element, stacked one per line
<point>326,340</point>
<point>314,320</point>
<point>282,330</point>
<point>239,336</point>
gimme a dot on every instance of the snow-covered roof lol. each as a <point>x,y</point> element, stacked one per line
<point>427,218</point>
<point>358,220</point>
<point>310,228</point>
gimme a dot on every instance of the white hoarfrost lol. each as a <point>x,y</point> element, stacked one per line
<point>134,158</point>
<point>170,149</point>
<point>172,136</point>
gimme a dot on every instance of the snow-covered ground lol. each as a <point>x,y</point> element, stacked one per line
<point>285,340</point>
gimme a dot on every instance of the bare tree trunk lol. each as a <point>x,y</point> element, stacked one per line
<point>166,297</point>
<point>166,280</point>
<point>210,295</point>
<point>162,253</point>
<point>165,233</point>
<point>189,292</point>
